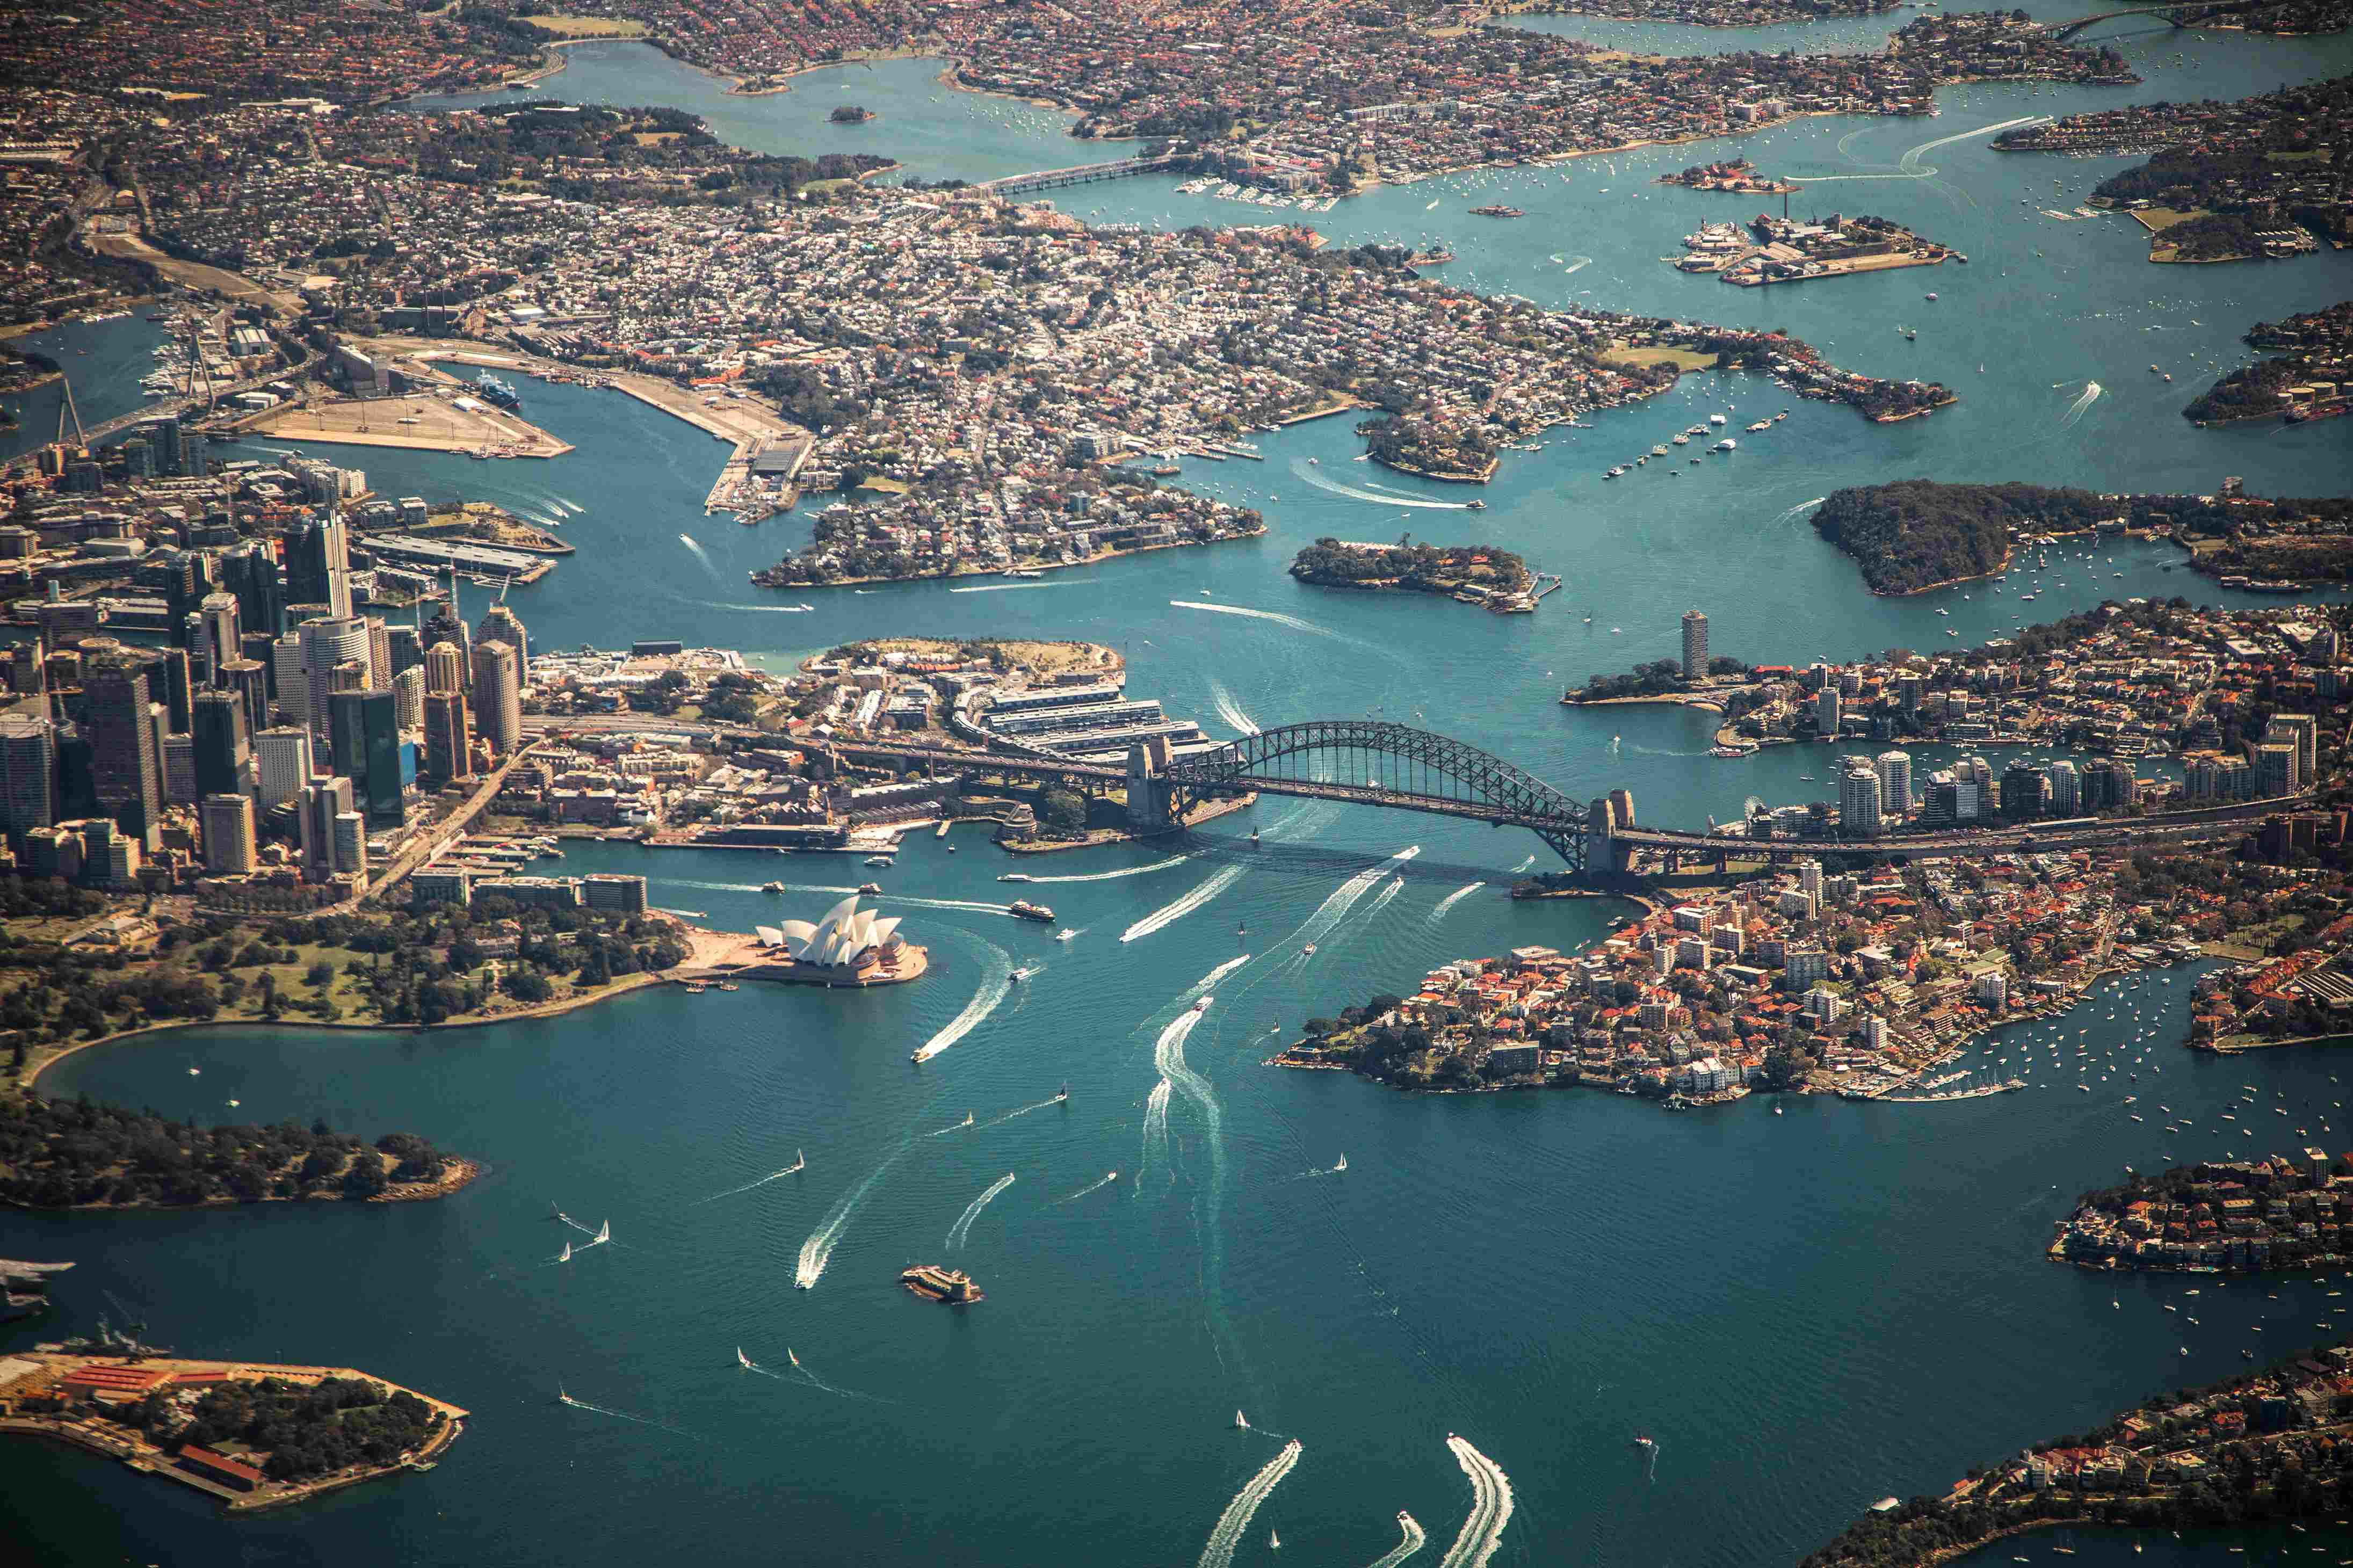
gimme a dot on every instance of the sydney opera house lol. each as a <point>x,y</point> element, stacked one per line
<point>849,946</point>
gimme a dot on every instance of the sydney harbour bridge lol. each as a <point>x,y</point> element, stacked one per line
<point>1367,762</point>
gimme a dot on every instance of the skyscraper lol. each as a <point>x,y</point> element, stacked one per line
<point>445,669</point>
<point>351,844</point>
<point>251,574</point>
<point>1894,770</point>
<point>227,822</point>
<point>501,625</point>
<point>2302,731</point>
<point>327,643</point>
<point>319,566</point>
<point>448,738</point>
<point>1859,804</point>
<point>28,765</point>
<point>283,763</point>
<point>2066,789</point>
<point>126,764</point>
<point>224,634</point>
<point>366,731</point>
<point>1826,710</point>
<point>498,697</point>
<point>408,698</point>
<point>325,800</point>
<point>249,678</point>
<point>1694,644</point>
<point>293,686</point>
<point>221,744</point>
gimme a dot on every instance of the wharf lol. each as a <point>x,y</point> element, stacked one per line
<point>413,424</point>
<point>1981,1092</point>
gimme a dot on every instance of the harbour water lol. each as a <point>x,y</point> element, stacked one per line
<point>1808,1311</point>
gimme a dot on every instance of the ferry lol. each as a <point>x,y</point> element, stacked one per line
<point>1024,909</point>
<point>871,890</point>
<point>1472,505</point>
<point>772,886</point>
<point>1726,445</point>
<point>951,1286</point>
<point>1497,209</point>
<point>879,860</point>
<point>1203,1005</point>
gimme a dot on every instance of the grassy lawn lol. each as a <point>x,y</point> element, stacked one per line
<point>1681,359</point>
<point>587,27</point>
<point>2157,220</point>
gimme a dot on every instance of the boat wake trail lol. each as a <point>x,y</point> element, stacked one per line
<point>1294,622</point>
<point>960,1232</point>
<point>805,1378</point>
<point>1523,865</point>
<point>1229,709</point>
<point>763,1181</point>
<point>996,983</point>
<point>1800,507</point>
<point>1155,1133</point>
<point>1344,898</point>
<point>1332,1170</point>
<point>1413,1543</point>
<point>563,1399</point>
<point>818,1248</point>
<point>699,553</point>
<point>761,609</point>
<point>1008,587</point>
<point>1909,167</point>
<point>1579,265</point>
<point>1108,1178</point>
<point>1491,1508</point>
<point>2090,394</point>
<point>1201,988</point>
<point>1300,471</point>
<point>1652,1473</point>
<point>1114,876</point>
<point>1449,900</point>
<point>1170,913</point>
<point>1009,1115</point>
<point>1228,1535</point>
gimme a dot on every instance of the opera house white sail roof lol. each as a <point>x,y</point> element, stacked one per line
<point>847,936</point>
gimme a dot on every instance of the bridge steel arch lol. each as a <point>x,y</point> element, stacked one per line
<point>1380,763</point>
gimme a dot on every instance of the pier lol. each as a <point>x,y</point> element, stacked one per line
<point>1081,174</point>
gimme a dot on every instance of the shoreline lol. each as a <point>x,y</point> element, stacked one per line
<point>459,1174</point>
<point>1094,560</point>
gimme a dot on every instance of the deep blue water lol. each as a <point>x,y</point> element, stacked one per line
<point>1808,1310</point>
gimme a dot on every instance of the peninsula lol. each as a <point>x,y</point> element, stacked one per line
<point>2237,1216</point>
<point>252,1435</point>
<point>2268,1445</point>
<point>2311,379</point>
<point>1481,574</point>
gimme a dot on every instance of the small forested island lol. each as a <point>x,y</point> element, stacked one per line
<point>1481,574</point>
<point>1734,174</point>
<point>2240,1216</point>
<point>1917,534</point>
<point>2310,381</point>
<point>59,1154</point>
<point>1435,450</point>
<point>2270,1444</point>
<point>850,114</point>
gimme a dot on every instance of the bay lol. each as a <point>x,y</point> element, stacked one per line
<point>1807,1312</point>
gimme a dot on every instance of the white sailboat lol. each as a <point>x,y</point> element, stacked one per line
<point>605,1233</point>
<point>1273,1540</point>
<point>743,1358</point>
<point>567,1254</point>
<point>1241,1421</point>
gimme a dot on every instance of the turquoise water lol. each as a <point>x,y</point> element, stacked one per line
<point>1808,1310</point>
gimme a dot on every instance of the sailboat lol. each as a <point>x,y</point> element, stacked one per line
<point>567,1253</point>
<point>605,1233</point>
<point>1241,1420</point>
<point>1342,1166</point>
<point>743,1358</point>
<point>1064,1093</point>
<point>1273,1540</point>
<point>563,1399</point>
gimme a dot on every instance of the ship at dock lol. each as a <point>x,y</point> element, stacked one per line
<point>492,390</point>
<point>950,1287</point>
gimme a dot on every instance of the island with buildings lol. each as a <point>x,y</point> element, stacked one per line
<point>1481,574</point>
<point>250,1435</point>
<point>2228,1216</point>
<point>1734,174</point>
<point>1782,250</point>
<point>2266,1447</point>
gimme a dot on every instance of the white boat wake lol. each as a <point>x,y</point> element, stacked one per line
<point>1168,914</point>
<point>1008,587</point>
<point>1108,1178</point>
<point>1115,876</point>
<point>798,1164</point>
<point>1372,910</point>
<point>1523,865</point>
<point>2090,394</point>
<point>699,553</point>
<point>1202,986</point>
<point>1491,1508</point>
<point>563,1399</point>
<point>1344,898</point>
<point>1024,1111</point>
<point>1155,1133</point>
<point>1451,899</point>
<point>995,983</point>
<point>1909,167</point>
<point>1801,506</point>
<point>817,1251</point>
<point>961,1231</point>
<point>1230,710</point>
<point>1579,265</point>
<point>1300,471</point>
<point>762,609</point>
<point>1294,622</point>
<point>806,1378</point>
<point>1228,1534</point>
<point>1413,1543</point>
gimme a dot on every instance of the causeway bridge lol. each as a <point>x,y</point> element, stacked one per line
<point>1081,174</point>
<point>1364,761</point>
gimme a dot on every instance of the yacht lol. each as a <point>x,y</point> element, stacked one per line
<point>1014,876</point>
<point>879,860</point>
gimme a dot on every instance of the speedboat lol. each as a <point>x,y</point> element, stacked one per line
<point>1308,951</point>
<point>1014,876</point>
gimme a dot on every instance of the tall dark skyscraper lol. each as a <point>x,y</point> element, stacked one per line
<point>364,726</point>
<point>222,744</point>
<point>251,574</point>
<point>249,678</point>
<point>170,685</point>
<point>318,566</point>
<point>126,768</point>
